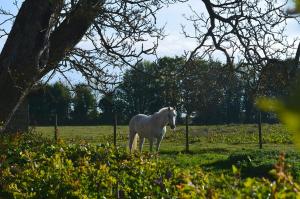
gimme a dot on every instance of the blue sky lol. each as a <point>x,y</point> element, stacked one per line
<point>172,17</point>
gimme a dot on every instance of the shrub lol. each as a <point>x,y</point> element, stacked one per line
<point>31,167</point>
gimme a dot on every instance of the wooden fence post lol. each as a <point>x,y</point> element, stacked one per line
<point>259,130</point>
<point>187,133</point>
<point>55,129</point>
<point>115,129</point>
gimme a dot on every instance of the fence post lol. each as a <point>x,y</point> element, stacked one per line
<point>115,129</point>
<point>259,130</point>
<point>187,133</point>
<point>55,129</point>
<point>28,117</point>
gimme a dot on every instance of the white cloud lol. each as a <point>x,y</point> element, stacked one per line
<point>175,44</point>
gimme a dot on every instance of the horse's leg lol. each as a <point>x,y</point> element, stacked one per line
<point>160,137</point>
<point>151,144</point>
<point>158,143</point>
<point>142,139</point>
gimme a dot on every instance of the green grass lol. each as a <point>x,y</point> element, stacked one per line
<point>214,148</point>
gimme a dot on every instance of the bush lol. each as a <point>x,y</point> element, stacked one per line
<point>32,167</point>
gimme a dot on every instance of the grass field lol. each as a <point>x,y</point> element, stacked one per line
<point>213,148</point>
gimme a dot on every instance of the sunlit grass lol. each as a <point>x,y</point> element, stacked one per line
<point>210,146</point>
<point>210,136</point>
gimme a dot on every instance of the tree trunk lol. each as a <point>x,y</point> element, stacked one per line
<point>23,54</point>
<point>20,121</point>
<point>32,50</point>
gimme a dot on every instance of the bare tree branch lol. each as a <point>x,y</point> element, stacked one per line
<point>250,33</point>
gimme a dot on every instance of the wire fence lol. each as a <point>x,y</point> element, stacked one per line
<point>182,139</point>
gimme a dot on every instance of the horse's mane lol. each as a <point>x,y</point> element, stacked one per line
<point>164,109</point>
<point>158,113</point>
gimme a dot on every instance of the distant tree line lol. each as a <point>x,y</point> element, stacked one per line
<point>207,90</point>
<point>78,106</point>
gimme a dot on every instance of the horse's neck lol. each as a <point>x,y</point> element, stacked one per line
<point>161,119</point>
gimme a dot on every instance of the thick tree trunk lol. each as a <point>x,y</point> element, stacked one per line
<point>71,31</point>
<point>20,121</point>
<point>23,54</point>
<point>32,50</point>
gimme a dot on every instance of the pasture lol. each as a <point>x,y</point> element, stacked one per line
<point>214,148</point>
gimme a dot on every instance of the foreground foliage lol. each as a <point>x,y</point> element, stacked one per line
<point>34,167</point>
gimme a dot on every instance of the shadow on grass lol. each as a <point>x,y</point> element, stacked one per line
<point>247,169</point>
<point>256,163</point>
<point>251,162</point>
<point>195,151</point>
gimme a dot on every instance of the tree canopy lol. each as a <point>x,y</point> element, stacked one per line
<point>201,89</point>
<point>44,39</point>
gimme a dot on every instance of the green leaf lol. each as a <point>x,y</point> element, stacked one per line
<point>297,5</point>
<point>235,170</point>
<point>288,113</point>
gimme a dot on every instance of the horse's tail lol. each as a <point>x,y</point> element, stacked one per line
<point>133,137</point>
<point>134,142</point>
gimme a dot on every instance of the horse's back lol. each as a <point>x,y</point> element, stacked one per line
<point>137,121</point>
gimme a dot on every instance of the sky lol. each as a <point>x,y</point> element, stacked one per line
<point>172,17</point>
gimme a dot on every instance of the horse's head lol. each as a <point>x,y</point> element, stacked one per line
<point>172,117</point>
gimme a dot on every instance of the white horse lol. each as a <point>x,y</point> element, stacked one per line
<point>151,127</point>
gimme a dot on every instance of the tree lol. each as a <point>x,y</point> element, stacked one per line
<point>169,77</point>
<point>253,32</point>
<point>189,91</point>
<point>150,87</point>
<point>200,87</point>
<point>45,33</point>
<point>46,101</point>
<point>140,90</point>
<point>288,107</point>
<point>62,101</point>
<point>84,105</point>
<point>106,107</point>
